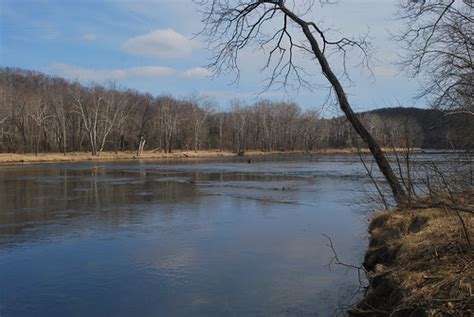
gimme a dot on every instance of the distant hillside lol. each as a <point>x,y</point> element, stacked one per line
<point>433,123</point>
<point>440,129</point>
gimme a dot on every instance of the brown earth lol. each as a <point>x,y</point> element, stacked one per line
<point>420,263</point>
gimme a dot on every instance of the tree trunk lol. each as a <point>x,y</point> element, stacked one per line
<point>65,142</point>
<point>398,191</point>
<point>93,145</point>
<point>141,145</point>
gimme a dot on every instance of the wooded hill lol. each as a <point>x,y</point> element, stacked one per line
<point>439,129</point>
<point>43,113</point>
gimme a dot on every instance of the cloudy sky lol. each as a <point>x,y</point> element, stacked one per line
<point>149,45</point>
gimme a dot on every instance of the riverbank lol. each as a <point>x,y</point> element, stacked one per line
<point>420,263</point>
<point>15,158</point>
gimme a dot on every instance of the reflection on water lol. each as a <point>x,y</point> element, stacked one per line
<point>191,238</point>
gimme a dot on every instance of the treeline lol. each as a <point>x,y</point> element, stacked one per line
<point>42,113</point>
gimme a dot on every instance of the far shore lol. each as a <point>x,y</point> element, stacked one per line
<point>17,158</point>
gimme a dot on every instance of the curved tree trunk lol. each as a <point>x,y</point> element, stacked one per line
<point>398,191</point>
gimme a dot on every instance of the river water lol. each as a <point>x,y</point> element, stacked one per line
<point>182,238</point>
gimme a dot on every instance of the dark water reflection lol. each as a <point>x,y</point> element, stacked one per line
<point>187,238</point>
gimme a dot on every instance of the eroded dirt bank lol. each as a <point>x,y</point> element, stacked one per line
<point>420,263</point>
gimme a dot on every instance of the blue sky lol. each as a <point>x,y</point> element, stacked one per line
<point>148,45</point>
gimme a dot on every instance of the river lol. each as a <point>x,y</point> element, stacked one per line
<point>181,238</point>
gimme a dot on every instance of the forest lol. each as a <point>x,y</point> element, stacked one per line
<point>43,113</point>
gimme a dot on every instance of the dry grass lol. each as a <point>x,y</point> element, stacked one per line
<point>12,158</point>
<point>420,264</point>
<point>9,158</point>
<point>105,156</point>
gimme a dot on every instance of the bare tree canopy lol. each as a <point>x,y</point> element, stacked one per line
<point>269,26</point>
<point>279,28</point>
<point>439,45</point>
<point>41,113</point>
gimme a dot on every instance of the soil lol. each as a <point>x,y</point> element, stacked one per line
<point>420,263</point>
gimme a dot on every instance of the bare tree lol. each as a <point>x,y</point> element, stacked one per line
<point>267,122</point>
<point>120,106</point>
<point>61,112</point>
<point>232,25</point>
<point>100,110</point>
<point>39,114</point>
<point>6,95</point>
<point>201,108</point>
<point>439,47</point>
<point>88,108</point>
<point>311,130</point>
<point>169,119</point>
<point>221,120</point>
<point>240,125</point>
<point>21,118</point>
<point>142,119</point>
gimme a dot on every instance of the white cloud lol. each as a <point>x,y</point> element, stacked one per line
<point>101,75</point>
<point>197,72</point>
<point>236,94</point>
<point>89,37</point>
<point>150,71</point>
<point>160,43</point>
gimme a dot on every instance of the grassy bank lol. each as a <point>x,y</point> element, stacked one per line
<point>419,263</point>
<point>13,158</point>
<point>105,156</point>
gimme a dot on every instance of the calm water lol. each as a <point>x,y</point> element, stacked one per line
<point>189,238</point>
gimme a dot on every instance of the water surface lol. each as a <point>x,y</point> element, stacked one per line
<point>187,238</point>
